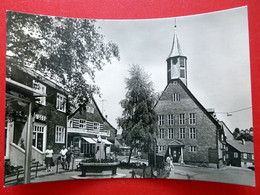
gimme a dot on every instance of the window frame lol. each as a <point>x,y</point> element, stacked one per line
<point>182,119</point>
<point>182,133</point>
<point>192,118</point>
<point>170,119</point>
<point>160,120</point>
<point>60,134</point>
<point>192,133</point>
<point>170,134</point>
<point>161,133</point>
<point>61,99</point>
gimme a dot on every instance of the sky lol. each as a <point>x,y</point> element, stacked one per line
<point>215,44</point>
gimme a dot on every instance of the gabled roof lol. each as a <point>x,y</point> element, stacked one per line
<point>193,98</point>
<point>228,133</point>
<point>176,48</point>
<point>100,113</point>
<point>248,147</point>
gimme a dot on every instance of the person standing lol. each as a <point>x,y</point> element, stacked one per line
<point>22,144</point>
<point>171,163</point>
<point>68,158</point>
<point>63,153</point>
<point>48,158</point>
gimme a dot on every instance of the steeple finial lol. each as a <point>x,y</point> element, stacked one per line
<point>176,49</point>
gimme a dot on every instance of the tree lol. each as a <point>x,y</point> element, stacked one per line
<point>67,50</point>
<point>236,133</point>
<point>246,134</point>
<point>139,120</point>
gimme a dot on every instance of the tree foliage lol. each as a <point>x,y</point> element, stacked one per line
<point>246,134</point>
<point>139,120</point>
<point>67,50</point>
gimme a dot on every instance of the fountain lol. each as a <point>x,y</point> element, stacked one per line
<point>95,168</point>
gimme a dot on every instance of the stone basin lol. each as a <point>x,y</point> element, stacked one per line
<point>98,167</point>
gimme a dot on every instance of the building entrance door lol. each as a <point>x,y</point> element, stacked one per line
<point>176,153</point>
<point>39,140</point>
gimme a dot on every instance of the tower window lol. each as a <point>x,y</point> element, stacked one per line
<point>181,62</point>
<point>182,73</point>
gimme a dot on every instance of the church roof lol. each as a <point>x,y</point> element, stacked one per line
<point>176,48</point>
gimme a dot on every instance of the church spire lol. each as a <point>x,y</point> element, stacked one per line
<point>176,48</point>
<point>176,61</point>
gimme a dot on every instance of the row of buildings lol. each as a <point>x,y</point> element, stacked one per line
<point>52,124</point>
<point>189,132</point>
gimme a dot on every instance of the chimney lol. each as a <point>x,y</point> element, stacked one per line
<point>243,142</point>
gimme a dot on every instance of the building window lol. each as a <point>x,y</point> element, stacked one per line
<point>244,155</point>
<point>226,148</point>
<point>182,73</point>
<point>226,156</point>
<point>161,135</point>
<point>96,126</point>
<point>181,62</point>
<point>182,133</point>
<point>89,109</point>
<point>235,155</point>
<point>42,90</point>
<point>192,119</point>
<point>161,120</point>
<point>176,97</point>
<point>192,133</point>
<point>182,119</point>
<point>161,148</point>
<point>170,119</point>
<point>192,149</point>
<point>61,102</point>
<point>60,134</point>
<point>170,134</point>
<point>82,124</point>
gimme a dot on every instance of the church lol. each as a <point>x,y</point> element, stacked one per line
<point>186,130</point>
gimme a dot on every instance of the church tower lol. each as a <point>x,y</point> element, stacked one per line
<point>176,61</point>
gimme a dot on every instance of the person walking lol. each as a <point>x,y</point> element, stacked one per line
<point>48,158</point>
<point>63,153</point>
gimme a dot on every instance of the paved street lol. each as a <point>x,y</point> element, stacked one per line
<point>234,175</point>
<point>227,174</point>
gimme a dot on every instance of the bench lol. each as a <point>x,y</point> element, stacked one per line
<point>18,171</point>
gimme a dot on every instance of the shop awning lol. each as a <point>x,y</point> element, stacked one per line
<point>104,141</point>
<point>89,140</point>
